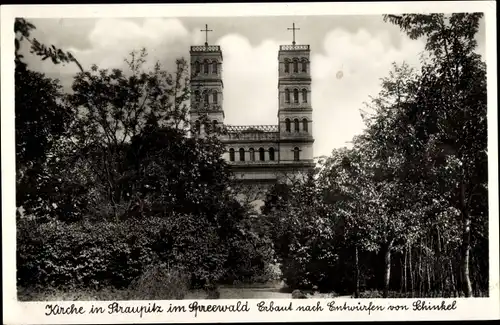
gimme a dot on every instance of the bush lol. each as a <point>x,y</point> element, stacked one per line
<point>101,254</point>
<point>159,282</point>
<point>371,294</point>
<point>305,236</point>
<point>57,254</point>
<point>249,253</point>
<point>307,251</point>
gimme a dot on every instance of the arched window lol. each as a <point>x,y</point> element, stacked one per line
<point>214,67</point>
<point>304,95</point>
<point>305,125</point>
<point>252,154</point>
<point>207,127</point>
<point>296,154</point>
<point>197,67</point>
<point>197,96</point>
<point>197,126</point>
<point>296,125</point>
<point>287,125</point>
<point>295,95</point>
<point>304,66</point>
<point>287,96</point>
<point>205,66</point>
<point>271,153</point>
<point>207,99</point>
<point>214,97</point>
<point>231,154</point>
<point>287,65</point>
<point>261,154</point>
<point>214,125</point>
<point>242,154</point>
<point>295,65</point>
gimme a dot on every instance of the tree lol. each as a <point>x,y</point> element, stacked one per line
<point>345,183</point>
<point>118,170</point>
<point>303,232</point>
<point>176,173</point>
<point>393,210</point>
<point>412,189</point>
<point>114,107</point>
<point>42,120</point>
<point>455,88</point>
<point>23,29</point>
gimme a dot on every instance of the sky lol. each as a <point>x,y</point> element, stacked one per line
<point>363,47</point>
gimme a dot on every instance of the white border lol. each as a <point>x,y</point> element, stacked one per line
<point>32,312</point>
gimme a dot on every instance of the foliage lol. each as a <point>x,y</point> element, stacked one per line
<point>41,118</point>
<point>83,254</point>
<point>41,123</point>
<point>453,89</point>
<point>159,282</point>
<point>407,203</point>
<point>170,172</point>
<point>105,253</point>
<point>303,233</point>
<point>115,108</point>
<point>23,29</point>
<point>124,184</point>
<point>250,252</point>
<point>116,194</point>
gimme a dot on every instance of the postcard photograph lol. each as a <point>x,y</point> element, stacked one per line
<point>251,158</point>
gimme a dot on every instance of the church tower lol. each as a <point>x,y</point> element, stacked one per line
<point>295,109</point>
<point>206,113</point>
<point>257,155</point>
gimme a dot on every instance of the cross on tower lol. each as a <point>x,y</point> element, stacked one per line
<point>206,30</point>
<point>293,29</point>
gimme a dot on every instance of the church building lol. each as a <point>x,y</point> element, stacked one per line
<point>259,155</point>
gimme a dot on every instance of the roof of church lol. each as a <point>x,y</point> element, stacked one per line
<point>251,128</point>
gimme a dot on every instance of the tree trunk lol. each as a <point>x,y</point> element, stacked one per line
<point>428,271</point>
<point>356,257</point>
<point>438,265</point>
<point>387,268</point>
<point>452,280</point>
<point>420,271</point>
<point>467,286</point>
<point>410,270</point>
<point>405,276</point>
<point>111,193</point>
<point>402,284</point>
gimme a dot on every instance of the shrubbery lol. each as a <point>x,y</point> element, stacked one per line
<point>304,236</point>
<point>160,282</point>
<point>86,254</point>
<point>129,253</point>
<point>250,253</point>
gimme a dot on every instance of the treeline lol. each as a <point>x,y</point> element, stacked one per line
<point>110,186</point>
<point>405,208</point>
